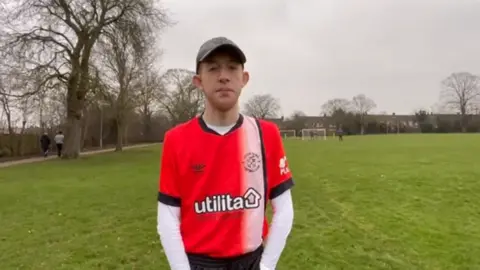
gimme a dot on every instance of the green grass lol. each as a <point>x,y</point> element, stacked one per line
<point>373,202</point>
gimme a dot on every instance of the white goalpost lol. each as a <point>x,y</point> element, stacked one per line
<point>288,133</point>
<point>314,134</point>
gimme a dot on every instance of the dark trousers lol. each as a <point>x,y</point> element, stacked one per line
<point>45,150</point>
<point>248,261</point>
<point>59,149</point>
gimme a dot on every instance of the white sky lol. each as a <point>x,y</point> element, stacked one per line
<point>305,52</point>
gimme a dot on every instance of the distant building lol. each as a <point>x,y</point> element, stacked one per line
<point>400,120</point>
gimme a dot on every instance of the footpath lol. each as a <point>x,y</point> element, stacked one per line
<point>54,156</point>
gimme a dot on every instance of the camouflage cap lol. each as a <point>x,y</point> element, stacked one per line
<point>214,44</point>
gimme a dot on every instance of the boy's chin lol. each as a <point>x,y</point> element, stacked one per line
<point>224,104</point>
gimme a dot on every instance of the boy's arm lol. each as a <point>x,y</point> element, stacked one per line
<point>169,202</point>
<point>280,183</point>
<point>279,230</point>
<point>168,227</point>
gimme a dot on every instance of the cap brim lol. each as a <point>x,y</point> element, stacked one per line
<point>236,49</point>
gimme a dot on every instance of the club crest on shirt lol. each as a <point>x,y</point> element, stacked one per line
<point>252,162</point>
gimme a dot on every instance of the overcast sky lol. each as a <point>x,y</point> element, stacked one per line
<point>305,52</point>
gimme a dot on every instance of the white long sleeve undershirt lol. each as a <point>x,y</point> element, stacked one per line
<point>280,228</point>
<point>168,227</point>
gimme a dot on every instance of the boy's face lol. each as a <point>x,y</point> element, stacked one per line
<point>221,77</point>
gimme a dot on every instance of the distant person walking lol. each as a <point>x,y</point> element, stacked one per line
<point>59,138</point>
<point>45,143</point>
<point>340,133</point>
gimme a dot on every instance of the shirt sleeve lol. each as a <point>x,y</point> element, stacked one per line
<point>280,228</point>
<point>169,192</point>
<point>280,176</point>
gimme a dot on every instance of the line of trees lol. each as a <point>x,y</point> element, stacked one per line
<point>88,68</point>
<point>121,109</point>
<point>80,53</point>
<point>459,95</point>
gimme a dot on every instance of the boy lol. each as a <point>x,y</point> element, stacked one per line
<point>218,171</point>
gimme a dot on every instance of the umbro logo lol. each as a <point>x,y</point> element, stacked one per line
<point>197,168</point>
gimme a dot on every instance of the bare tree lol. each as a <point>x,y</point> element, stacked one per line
<point>124,47</point>
<point>149,92</point>
<point>11,84</point>
<point>25,107</point>
<point>362,105</point>
<point>3,124</point>
<point>17,109</point>
<point>337,104</point>
<point>297,114</point>
<point>60,41</point>
<point>6,103</point>
<point>180,99</point>
<point>262,106</point>
<point>94,100</point>
<point>461,91</point>
<point>338,109</point>
<point>297,121</point>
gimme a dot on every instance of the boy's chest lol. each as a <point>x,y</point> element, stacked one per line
<point>225,166</point>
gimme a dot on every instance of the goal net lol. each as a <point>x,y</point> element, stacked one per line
<point>314,134</point>
<point>288,133</point>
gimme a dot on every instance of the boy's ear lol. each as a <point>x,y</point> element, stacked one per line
<point>246,77</point>
<point>197,81</point>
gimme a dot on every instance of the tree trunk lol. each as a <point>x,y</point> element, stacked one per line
<point>11,145</point>
<point>21,139</point>
<point>73,132</point>
<point>147,127</point>
<point>120,134</point>
<point>77,89</point>
<point>73,136</point>
<point>125,134</point>
<point>362,124</point>
<point>84,129</point>
<point>464,121</point>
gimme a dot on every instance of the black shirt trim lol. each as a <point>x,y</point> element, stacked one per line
<point>281,188</point>
<point>169,200</point>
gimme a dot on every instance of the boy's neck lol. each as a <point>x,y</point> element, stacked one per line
<point>218,118</point>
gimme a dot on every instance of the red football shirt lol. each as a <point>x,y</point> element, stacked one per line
<point>222,183</point>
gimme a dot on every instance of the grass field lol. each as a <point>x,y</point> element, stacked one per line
<point>373,202</point>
